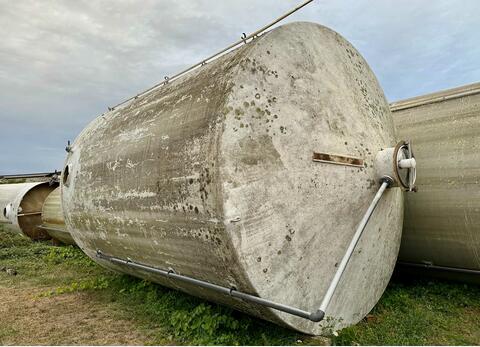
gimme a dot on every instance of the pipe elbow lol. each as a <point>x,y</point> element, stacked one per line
<point>317,316</point>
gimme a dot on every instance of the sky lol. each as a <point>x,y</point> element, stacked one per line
<point>62,63</point>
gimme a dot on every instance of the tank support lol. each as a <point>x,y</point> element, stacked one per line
<point>315,316</point>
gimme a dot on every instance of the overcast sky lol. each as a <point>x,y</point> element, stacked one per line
<point>63,62</point>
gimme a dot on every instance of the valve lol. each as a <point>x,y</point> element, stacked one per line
<point>399,164</point>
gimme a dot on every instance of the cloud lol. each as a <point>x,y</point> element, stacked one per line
<point>63,62</point>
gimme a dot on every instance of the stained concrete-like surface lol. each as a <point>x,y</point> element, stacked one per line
<point>212,176</point>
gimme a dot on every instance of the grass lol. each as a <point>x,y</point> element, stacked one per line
<point>416,312</point>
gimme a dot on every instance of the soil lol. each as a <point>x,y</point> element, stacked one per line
<point>67,319</point>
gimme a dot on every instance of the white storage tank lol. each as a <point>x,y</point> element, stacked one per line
<point>251,173</point>
<point>21,205</point>
<point>441,233</point>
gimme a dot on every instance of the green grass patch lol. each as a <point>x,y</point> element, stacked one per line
<point>415,312</point>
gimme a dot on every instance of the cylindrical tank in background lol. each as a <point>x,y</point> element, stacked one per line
<point>442,220</point>
<point>52,218</point>
<point>21,205</point>
<point>211,176</point>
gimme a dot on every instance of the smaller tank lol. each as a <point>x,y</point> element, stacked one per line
<point>52,218</point>
<point>21,205</point>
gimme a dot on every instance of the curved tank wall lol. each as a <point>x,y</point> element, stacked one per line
<point>212,176</point>
<point>21,205</point>
<point>442,220</point>
<point>52,218</point>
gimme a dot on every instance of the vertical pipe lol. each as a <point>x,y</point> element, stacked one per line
<point>358,233</point>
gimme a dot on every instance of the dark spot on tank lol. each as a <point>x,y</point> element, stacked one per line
<point>190,180</point>
<point>246,104</point>
<point>259,259</point>
<point>279,252</point>
<point>346,143</point>
<point>265,271</point>
<point>190,207</point>
<point>257,96</point>
<point>269,244</point>
<point>275,116</point>
<point>268,112</point>
<point>336,264</point>
<point>196,209</point>
<point>288,238</point>
<point>268,52</point>
<point>291,231</point>
<point>241,86</point>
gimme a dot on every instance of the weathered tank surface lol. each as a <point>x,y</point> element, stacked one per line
<point>442,220</point>
<point>52,218</point>
<point>211,176</point>
<point>21,205</point>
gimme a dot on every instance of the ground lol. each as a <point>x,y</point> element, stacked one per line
<point>59,296</point>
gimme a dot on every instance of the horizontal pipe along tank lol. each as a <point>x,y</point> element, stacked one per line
<point>442,220</point>
<point>52,218</point>
<point>21,205</point>
<point>211,176</point>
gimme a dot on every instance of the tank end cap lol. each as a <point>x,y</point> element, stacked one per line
<point>317,316</point>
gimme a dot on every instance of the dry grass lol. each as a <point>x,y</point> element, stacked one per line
<point>72,319</point>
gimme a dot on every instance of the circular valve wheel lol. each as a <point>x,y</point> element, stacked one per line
<point>405,166</point>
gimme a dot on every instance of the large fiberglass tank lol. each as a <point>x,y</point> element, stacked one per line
<point>252,173</point>
<point>21,205</point>
<point>442,220</point>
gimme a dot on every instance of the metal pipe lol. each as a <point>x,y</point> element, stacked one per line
<point>31,175</point>
<point>216,55</point>
<point>28,214</point>
<point>438,267</point>
<point>386,181</point>
<point>224,290</point>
